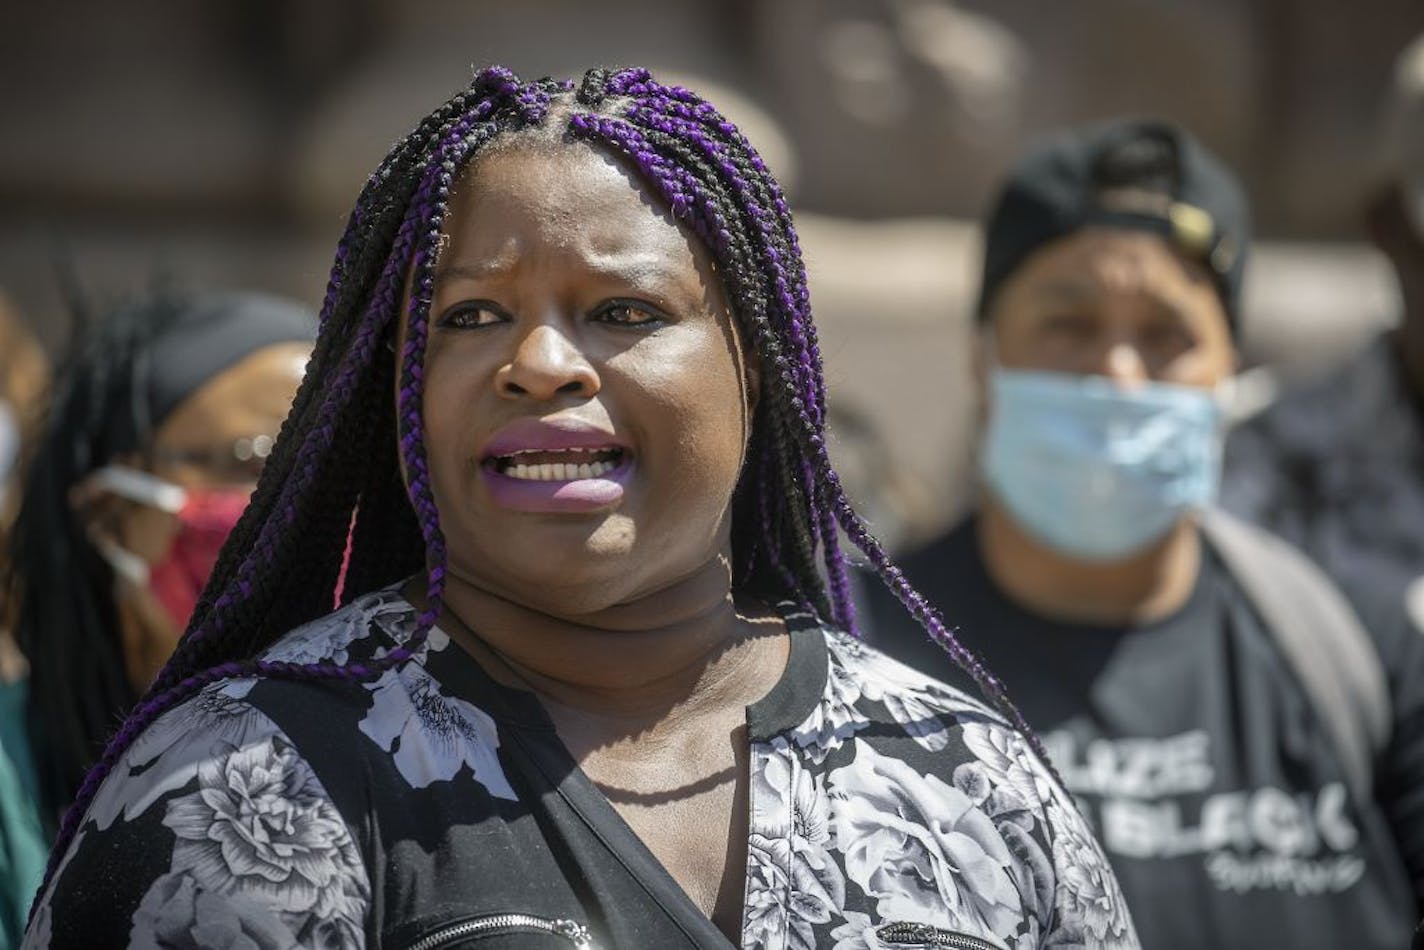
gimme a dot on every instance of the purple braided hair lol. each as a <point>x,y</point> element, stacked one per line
<point>790,507</point>
<point>173,684</point>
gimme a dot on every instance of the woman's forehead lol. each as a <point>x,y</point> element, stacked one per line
<point>568,196</point>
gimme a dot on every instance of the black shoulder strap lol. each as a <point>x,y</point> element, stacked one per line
<point>1320,636</point>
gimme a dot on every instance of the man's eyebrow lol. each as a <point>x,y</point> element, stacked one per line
<point>1074,288</point>
<point>1172,305</point>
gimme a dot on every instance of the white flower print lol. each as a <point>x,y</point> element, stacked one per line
<point>788,893</point>
<point>1001,802</point>
<point>917,703</point>
<point>794,883</point>
<point>329,638</point>
<point>1011,763</point>
<point>857,933</point>
<point>431,735</point>
<point>1014,818</point>
<point>834,720</point>
<point>764,917</point>
<point>920,847</point>
<point>260,830</point>
<point>178,912</point>
<point>1089,903</point>
<point>218,717</point>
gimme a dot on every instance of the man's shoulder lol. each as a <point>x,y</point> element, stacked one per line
<point>936,558</point>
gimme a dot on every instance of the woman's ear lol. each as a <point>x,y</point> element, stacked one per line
<point>752,376</point>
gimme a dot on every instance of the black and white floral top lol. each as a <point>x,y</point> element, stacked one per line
<point>435,808</point>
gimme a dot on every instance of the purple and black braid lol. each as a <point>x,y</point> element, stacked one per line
<point>334,477</point>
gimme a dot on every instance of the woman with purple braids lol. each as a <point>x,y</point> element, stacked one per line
<point>592,678</point>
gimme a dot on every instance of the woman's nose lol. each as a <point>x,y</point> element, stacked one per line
<point>545,364</point>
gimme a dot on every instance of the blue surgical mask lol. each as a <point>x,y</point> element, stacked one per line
<point>1094,470</point>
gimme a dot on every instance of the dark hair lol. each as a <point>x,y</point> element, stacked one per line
<point>334,476</point>
<point>66,620</point>
<point>135,366</point>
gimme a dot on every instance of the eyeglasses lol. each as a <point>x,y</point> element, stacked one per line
<point>240,461</point>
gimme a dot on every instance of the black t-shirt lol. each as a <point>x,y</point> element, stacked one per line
<point>1197,757</point>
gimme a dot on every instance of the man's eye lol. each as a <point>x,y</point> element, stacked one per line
<point>1072,325</point>
<point>1164,336</point>
<point>627,314</point>
<point>463,316</point>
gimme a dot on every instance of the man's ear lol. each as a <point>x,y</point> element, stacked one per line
<point>981,356</point>
<point>982,360</point>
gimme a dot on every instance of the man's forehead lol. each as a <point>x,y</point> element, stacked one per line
<point>1101,260</point>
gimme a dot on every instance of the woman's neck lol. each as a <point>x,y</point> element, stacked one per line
<point>672,649</point>
<point>1144,588</point>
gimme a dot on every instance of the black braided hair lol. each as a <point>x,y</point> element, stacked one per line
<point>66,619</point>
<point>333,482</point>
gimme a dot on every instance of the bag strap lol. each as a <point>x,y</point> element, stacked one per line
<point>1319,634</point>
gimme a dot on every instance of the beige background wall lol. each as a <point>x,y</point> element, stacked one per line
<point>221,141</point>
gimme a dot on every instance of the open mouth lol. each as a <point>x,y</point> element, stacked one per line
<point>560,465</point>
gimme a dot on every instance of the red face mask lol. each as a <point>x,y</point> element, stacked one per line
<point>204,522</point>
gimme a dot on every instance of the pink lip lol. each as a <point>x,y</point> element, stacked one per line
<point>573,496</point>
<point>576,496</point>
<point>549,435</point>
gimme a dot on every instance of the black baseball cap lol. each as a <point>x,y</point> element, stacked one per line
<point>1138,174</point>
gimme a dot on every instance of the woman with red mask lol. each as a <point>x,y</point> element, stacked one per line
<point>159,429</point>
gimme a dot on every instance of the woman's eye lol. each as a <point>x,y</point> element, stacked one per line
<point>467,315</point>
<point>625,314</point>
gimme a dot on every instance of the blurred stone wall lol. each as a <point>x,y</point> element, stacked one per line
<point>222,142</point>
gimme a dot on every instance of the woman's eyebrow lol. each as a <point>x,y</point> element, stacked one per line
<point>474,270</point>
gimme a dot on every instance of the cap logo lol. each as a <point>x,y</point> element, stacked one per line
<point>1192,228</point>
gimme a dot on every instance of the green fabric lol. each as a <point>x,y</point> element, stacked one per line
<point>23,846</point>
<point>14,739</point>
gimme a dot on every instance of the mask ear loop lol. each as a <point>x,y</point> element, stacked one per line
<point>127,565</point>
<point>135,486</point>
<point>1246,394</point>
<point>140,487</point>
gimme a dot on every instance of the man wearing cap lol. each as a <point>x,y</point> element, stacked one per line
<point>1338,466</point>
<point>1180,666</point>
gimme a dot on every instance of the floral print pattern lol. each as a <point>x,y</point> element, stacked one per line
<point>879,797</point>
<point>431,736</point>
<point>258,825</point>
<point>920,847</point>
<point>847,837</point>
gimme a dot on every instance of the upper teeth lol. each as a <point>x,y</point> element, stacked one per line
<point>559,471</point>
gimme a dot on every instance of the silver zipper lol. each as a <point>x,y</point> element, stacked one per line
<point>926,935</point>
<point>575,933</point>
